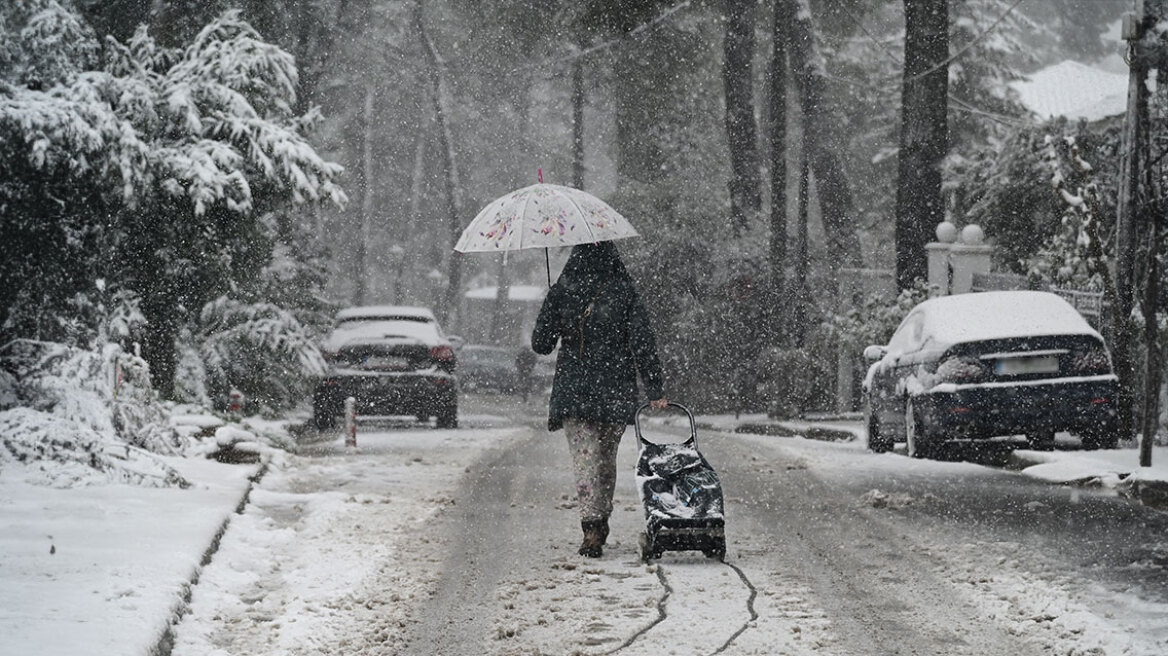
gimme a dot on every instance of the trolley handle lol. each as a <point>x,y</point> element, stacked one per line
<point>693,427</point>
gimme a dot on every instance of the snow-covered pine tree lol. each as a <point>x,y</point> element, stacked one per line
<point>146,166</point>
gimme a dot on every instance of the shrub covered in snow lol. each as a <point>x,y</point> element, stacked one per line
<point>74,417</point>
<point>70,416</point>
<point>260,349</point>
<point>47,449</point>
<point>108,392</point>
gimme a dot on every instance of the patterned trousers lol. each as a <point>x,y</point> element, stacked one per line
<point>593,449</point>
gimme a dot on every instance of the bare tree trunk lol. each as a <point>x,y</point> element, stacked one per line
<point>924,135</point>
<point>448,307</point>
<point>401,289</point>
<point>640,152</point>
<point>821,126</point>
<point>361,248</point>
<point>313,58</point>
<point>802,261</point>
<point>741,129</point>
<point>778,297</point>
<point>578,98</point>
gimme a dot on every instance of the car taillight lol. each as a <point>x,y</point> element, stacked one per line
<point>961,369</point>
<point>1091,362</point>
<point>442,353</point>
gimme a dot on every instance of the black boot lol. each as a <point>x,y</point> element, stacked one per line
<point>595,532</point>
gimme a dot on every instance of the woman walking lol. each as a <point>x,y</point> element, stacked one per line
<point>595,314</point>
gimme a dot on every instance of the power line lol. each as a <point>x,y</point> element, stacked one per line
<point>636,31</point>
<point>968,46</point>
<point>944,63</point>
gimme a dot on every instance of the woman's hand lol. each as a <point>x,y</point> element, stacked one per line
<point>659,404</point>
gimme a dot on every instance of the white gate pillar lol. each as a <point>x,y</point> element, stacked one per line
<point>969,256</point>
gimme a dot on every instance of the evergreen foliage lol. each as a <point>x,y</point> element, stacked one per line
<point>1047,196</point>
<point>161,168</point>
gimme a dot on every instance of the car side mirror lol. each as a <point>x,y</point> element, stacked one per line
<point>455,341</point>
<point>875,352</point>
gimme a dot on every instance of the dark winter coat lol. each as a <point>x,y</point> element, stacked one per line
<point>595,314</point>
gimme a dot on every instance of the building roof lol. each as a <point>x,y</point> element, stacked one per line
<point>530,293</point>
<point>1074,90</point>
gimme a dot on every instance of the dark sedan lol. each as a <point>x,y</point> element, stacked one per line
<point>487,368</point>
<point>393,361</point>
<point>983,365</point>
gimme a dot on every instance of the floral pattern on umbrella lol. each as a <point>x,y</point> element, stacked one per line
<point>543,216</point>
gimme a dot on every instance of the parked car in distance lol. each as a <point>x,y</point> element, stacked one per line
<point>988,364</point>
<point>394,360</point>
<point>484,368</point>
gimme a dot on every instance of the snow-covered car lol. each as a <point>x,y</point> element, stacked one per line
<point>394,360</point>
<point>990,364</point>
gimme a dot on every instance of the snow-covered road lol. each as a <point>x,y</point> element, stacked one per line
<point>463,542</point>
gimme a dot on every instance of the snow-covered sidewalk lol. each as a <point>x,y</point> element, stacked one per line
<point>102,570</point>
<point>1117,469</point>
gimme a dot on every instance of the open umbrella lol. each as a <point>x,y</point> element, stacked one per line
<point>543,216</point>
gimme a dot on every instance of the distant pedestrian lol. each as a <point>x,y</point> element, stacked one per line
<point>605,339</point>
<point>524,365</point>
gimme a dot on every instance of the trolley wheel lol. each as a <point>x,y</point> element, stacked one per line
<point>647,548</point>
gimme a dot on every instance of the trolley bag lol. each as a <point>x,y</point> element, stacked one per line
<point>681,494</point>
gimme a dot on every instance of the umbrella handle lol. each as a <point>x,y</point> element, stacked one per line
<point>547,258</point>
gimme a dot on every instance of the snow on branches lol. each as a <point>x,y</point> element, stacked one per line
<point>1074,255</point>
<point>208,122</point>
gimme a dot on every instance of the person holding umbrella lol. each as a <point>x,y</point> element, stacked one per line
<point>594,313</point>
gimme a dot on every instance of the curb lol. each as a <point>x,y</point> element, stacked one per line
<point>810,432</point>
<point>165,643</point>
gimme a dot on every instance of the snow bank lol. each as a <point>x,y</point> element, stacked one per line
<point>76,418</point>
<point>71,417</point>
<point>43,449</point>
<point>109,392</point>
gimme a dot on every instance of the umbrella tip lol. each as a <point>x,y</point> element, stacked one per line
<point>539,175</point>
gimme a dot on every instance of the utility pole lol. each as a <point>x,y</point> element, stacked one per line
<point>1133,163</point>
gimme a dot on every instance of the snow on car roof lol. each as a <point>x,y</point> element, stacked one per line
<point>376,330</point>
<point>385,312</point>
<point>995,315</point>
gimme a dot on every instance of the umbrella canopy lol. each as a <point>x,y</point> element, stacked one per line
<point>543,216</point>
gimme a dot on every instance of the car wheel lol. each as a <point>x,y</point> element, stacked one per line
<point>448,417</point>
<point>323,419</point>
<point>1041,440</point>
<point>1103,437</point>
<point>914,433</point>
<point>878,442</point>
